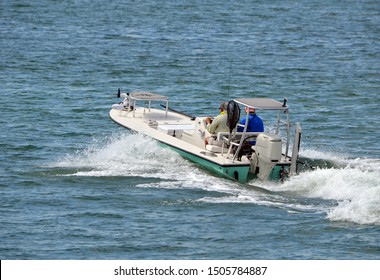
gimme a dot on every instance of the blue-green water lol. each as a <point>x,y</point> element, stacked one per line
<point>74,185</point>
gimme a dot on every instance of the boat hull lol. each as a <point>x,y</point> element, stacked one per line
<point>236,172</point>
<point>213,162</point>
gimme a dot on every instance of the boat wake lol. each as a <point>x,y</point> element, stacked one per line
<point>351,184</point>
<point>341,188</point>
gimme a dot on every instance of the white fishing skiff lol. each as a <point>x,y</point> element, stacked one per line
<point>269,158</point>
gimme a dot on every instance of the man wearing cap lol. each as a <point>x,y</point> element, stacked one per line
<point>219,124</point>
<point>255,123</point>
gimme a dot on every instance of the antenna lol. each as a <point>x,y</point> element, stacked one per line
<point>229,81</point>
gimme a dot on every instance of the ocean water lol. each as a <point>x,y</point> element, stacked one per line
<point>74,185</point>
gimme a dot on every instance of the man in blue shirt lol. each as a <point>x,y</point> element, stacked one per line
<point>255,123</point>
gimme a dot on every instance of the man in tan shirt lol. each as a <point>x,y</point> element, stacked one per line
<point>219,124</point>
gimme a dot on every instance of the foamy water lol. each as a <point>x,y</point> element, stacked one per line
<point>349,194</point>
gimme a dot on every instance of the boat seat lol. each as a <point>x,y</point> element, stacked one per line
<point>214,148</point>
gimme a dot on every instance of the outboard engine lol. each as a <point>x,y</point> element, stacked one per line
<point>268,152</point>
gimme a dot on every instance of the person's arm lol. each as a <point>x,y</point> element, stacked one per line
<point>214,125</point>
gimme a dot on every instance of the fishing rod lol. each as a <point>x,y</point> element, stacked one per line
<point>229,81</point>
